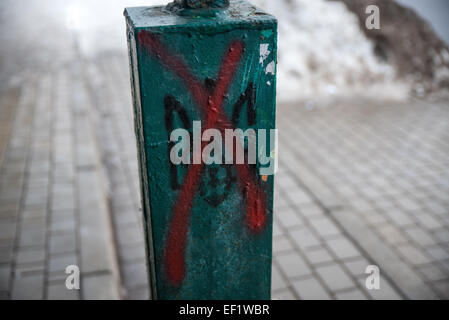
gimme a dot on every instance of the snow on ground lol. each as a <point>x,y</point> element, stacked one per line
<point>323,53</point>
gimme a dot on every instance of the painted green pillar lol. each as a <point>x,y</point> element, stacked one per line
<point>208,227</point>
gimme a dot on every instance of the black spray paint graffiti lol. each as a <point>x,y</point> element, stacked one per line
<point>215,175</point>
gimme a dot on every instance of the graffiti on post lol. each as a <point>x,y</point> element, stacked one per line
<point>209,98</point>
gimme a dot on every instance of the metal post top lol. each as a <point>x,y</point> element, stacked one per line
<point>201,4</point>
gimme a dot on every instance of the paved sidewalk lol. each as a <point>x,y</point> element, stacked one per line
<point>381,173</point>
<point>52,204</point>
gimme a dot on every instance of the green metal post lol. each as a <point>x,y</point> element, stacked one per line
<point>208,227</point>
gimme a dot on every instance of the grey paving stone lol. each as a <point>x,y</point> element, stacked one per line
<point>428,221</point>
<point>42,182</point>
<point>63,190</point>
<point>96,242</point>
<point>357,267</point>
<point>32,237</point>
<point>7,230</point>
<point>126,218</point>
<point>134,274</point>
<point>289,218</point>
<point>63,216</point>
<point>29,269</point>
<point>63,226</point>
<point>293,265</point>
<point>8,216</point>
<point>60,262</point>
<point>437,208</point>
<point>374,218</point>
<point>36,197</point>
<point>138,293</point>
<point>420,236</point>
<point>64,171</point>
<point>37,224</point>
<point>391,234</point>
<point>28,288</point>
<point>10,196</point>
<point>384,204</point>
<point>443,289</point>
<point>304,238</point>
<point>335,277</point>
<point>310,289</point>
<point>132,252</point>
<point>30,255</point>
<point>99,287</point>
<point>27,207</point>
<point>408,204</point>
<point>343,248</point>
<point>386,291</point>
<point>66,202</point>
<point>433,272</point>
<point>130,234</point>
<point>6,253</point>
<point>413,255</point>
<point>286,181</point>
<point>298,197</point>
<point>362,205</point>
<point>325,227</point>
<point>310,210</point>
<point>284,294</point>
<point>442,235</point>
<point>354,294</point>
<point>9,207</point>
<point>58,291</point>
<point>399,217</point>
<point>281,244</point>
<point>277,282</point>
<point>438,253</point>
<point>39,213</point>
<point>279,204</point>
<point>5,276</point>
<point>318,256</point>
<point>62,243</point>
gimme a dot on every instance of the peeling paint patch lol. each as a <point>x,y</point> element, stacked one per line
<point>271,68</point>
<point>264,52</point>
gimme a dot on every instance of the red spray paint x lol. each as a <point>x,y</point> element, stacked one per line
<point>211,106</point>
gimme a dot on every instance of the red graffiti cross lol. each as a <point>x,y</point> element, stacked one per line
<point>211,106</point>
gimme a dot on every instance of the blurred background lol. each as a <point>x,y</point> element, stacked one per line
<point>364,182</point>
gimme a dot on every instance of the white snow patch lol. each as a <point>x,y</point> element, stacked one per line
<point>324,53</point>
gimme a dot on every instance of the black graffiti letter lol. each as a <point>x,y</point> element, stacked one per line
<point>171,106</point>
<point>250,97</point>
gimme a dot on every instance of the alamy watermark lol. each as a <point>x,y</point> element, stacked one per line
<point>373,20</point>
<point>72,281</point>
<point>228,146</point>
<point>373,280</point>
